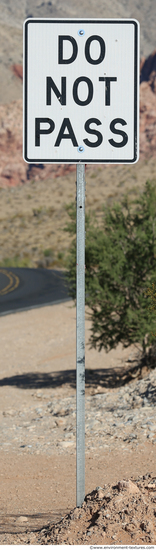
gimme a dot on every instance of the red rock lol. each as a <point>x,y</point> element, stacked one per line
<point>17,70</point>
<point>148,71</point>
<point>147,121</point>
<point>148,106</point>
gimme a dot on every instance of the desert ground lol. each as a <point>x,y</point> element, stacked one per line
<point>38,487</point>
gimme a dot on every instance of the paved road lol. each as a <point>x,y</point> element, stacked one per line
<point>24,288</point>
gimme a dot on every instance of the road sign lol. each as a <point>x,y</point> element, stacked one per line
<point>81,91</point>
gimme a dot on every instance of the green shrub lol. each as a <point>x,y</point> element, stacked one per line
<point>16,261</point>
<point>47,252</point>
<point>120,265</point>
<point>151,292</point>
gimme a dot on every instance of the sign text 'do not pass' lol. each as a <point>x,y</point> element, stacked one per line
<point>81,91</point>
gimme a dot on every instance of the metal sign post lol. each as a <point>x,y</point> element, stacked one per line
<point>81,106</point>
<point>80,337</point>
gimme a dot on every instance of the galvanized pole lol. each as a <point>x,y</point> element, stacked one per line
<point>80,337</point>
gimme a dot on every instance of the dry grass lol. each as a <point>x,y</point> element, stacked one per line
<point>33,216</point>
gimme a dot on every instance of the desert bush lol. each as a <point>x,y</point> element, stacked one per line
<point>151,292</point>
<point>120,263</point>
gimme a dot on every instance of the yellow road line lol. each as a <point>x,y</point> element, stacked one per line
<point>13,282</point>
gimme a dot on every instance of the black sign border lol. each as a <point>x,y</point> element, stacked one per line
<point>136,101</point>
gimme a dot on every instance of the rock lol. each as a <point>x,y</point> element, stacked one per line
<point>118,501</point>
<point>130,527</point>
<point>148,71</point>
<point>22,519</point>
<point>39,394</point>
<point>134,522</point>
<point>53,424</point>
<point>151,486</point>
<point>128,486</point>
<point>147,526</point>
<point>9,412</point>
<point>65,444</point>
<point>17,70</point>
<point>60,421</point>
<point>100,494</point>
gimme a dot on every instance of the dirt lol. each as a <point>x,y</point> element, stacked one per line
<point>45,491</point>
<point>38,490</point>
<point>123,512</point>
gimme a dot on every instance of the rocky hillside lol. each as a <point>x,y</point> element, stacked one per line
<point>14,171</point>
<point>148,106</point>
<point>14,12</point>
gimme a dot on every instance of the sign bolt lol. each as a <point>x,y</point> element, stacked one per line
<point>80,149</point>
<point>81,32</point>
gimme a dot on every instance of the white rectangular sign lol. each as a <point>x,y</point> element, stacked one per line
<point>81,91</point>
